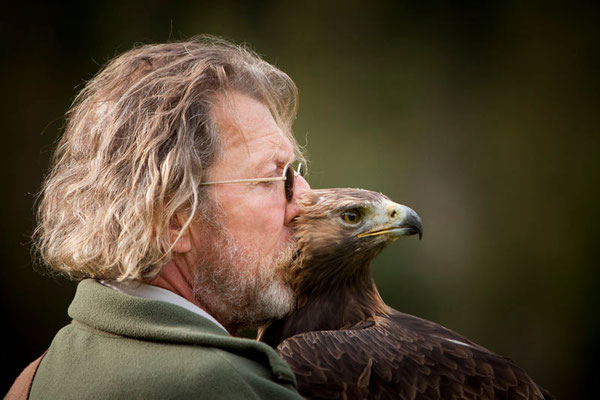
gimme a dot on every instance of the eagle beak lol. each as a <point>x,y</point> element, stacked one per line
<point>401,221</point>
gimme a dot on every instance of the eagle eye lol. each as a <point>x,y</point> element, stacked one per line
<point>351,216</point>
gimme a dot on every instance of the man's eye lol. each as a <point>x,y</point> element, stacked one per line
<point>351,216</point>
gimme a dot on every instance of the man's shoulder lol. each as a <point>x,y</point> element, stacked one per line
<point>87,361</point>
<point>238,373</point>
<point>119,346</point>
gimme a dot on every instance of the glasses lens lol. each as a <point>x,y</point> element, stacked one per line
<point>289,182</point>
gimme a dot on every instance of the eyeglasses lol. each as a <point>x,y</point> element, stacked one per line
<point>288,176</point>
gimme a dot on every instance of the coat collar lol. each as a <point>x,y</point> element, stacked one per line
<point>144,290</point>
<point>107,310</point>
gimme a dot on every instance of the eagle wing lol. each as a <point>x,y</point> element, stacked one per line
<point>399,356</point>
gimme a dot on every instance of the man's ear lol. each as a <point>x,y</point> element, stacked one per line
<point>182,239</point>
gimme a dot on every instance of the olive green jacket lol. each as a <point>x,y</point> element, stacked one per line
<point>125,347</point>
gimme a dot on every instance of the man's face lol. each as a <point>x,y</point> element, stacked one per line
<point>241,277</point>
<point>256,214</point>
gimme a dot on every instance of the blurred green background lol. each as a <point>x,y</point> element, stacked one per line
<point>482,116</point>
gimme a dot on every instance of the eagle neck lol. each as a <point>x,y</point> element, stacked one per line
<point>344,304</point>
<point>341,304</point>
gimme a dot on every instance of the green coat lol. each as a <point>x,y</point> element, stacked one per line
<point>124,347</point>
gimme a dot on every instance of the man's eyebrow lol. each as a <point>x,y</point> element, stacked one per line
<point>281,156</point>
<point>276,161</point>
<point>266,164</point>
<point>271,164</point>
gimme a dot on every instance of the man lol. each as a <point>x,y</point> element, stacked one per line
<point>170,196</point>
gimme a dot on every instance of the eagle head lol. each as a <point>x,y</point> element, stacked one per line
<point>340,231</point>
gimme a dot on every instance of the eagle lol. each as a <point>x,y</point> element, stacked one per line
<point>343,342</point>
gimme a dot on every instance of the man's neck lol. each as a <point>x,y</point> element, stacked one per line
<point>173,279</point>
<point>176,278</point>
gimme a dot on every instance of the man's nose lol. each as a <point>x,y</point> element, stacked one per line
<point>293,209</point>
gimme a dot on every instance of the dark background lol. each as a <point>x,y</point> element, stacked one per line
<point>482,116</point>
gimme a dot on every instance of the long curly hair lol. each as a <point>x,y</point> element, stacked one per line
<point>138,140</point>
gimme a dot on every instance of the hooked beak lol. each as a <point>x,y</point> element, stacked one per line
<point>401,221</point>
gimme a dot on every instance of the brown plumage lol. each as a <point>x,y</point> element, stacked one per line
<point>343,342</point>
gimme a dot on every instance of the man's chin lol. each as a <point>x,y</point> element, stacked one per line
<point>273,296</point>
<point>239,287</point>
<point>275,303</point>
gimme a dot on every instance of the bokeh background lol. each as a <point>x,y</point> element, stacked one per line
<point>482,116</point>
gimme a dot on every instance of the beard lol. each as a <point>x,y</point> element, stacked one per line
<point>239,287</point>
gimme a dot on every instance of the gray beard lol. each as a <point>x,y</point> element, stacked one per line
<point>238,287</point>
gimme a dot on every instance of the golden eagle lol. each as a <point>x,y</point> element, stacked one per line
<point>343,342</point>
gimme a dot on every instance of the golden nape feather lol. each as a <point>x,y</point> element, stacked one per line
<point>343,342</point>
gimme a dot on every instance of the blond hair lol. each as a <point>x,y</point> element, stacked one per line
<point>138,141</point>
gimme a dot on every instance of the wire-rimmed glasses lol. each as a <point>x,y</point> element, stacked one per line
<point>288,176</point>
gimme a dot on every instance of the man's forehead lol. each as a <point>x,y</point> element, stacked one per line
<point>244,122</point>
